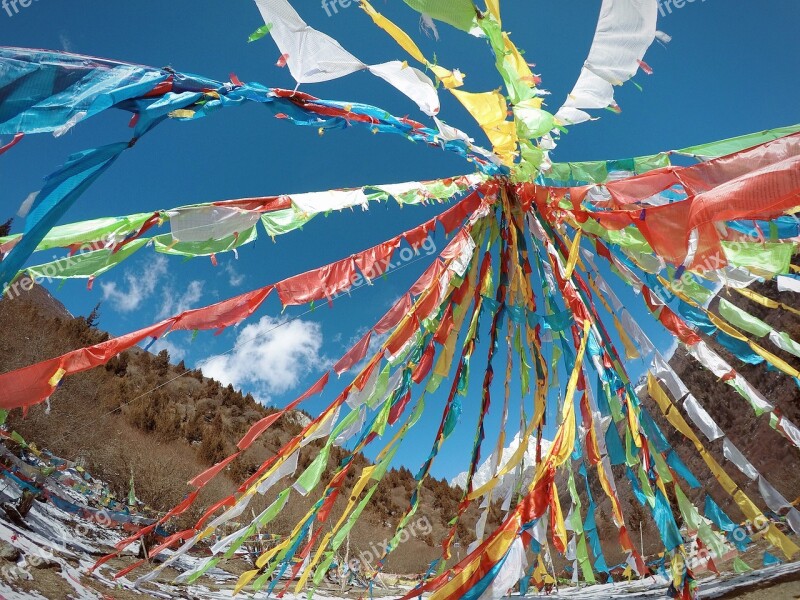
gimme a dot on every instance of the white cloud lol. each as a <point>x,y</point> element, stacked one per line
<point>174,304</point>
<point>25,207</point>
<point>140,286</point>
<point>235,279</point>
<point>176,353</point>
<point>270,356</point>
<point>66,43</point>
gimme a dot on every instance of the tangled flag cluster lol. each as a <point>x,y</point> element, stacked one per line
<point>526,237</point>
<point>38,470</point>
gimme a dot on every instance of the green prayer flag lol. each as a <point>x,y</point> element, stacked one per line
<point>661,466</point>
<point>643,164</point>
<point>757,407</point>
<point>773,258</point>
<point>322,568</point>
<point>267,515</point>
<point>647,489</point>
<point>694,521</point>
<point>351,520</point>
<point>593,172</point>
<point>86,232</point>
<point>278,222</point>
<point>166,244</point>
<point>85,265</point>
<point>380,468</point>
<point>418,410</point>
<point>458,13</point>
<point>785,343</point>
<point>313,473</point>
<point>207,566</point>
<point>248,533</point>
<point>742,319</point>
<point>694,290</point>
<point>739,566</point>
<point>583,560</point>
<point>737,144</point>
<point>260,32</point>
<point>380,387</point>
<point>348,420</point>
<point>379,425</point>
<point>433,383</point>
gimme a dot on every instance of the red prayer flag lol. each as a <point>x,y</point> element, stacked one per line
<point>355,355</point>
<point>207,475</point>
<point>225,313</point>
<point>393,316</point>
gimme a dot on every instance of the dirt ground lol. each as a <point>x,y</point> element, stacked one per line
<point>782,591</point>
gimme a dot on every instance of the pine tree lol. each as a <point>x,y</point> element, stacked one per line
<point>94,316</point>
<point>162,362</point>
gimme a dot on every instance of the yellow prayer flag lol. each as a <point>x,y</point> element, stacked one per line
<point>57,377</point>
<point>750,510</point>
<point>244,579</point>
<point>573,254</point>
<point>631,352</point>
<point>399,36</point>
<point>775,361</point>
<point>557,515</point>
<point>503,136</point>
<point>494,551</point>
<point>450,79</point>
<point>487,108</point>
<point>493,6</point>
<point>725,327</point>
<point>518,63</point>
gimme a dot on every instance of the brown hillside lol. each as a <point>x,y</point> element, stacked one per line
<point>764,447</point>
<point>140,414</point>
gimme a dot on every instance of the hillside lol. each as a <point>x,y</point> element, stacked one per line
<point>109,418</point>
<point>764,447</point>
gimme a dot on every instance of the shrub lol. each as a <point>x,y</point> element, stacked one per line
<point>213,447</point>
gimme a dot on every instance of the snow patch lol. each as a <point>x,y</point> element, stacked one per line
<point>486,471</point>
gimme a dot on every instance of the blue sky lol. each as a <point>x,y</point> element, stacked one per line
<point>730,69</point>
